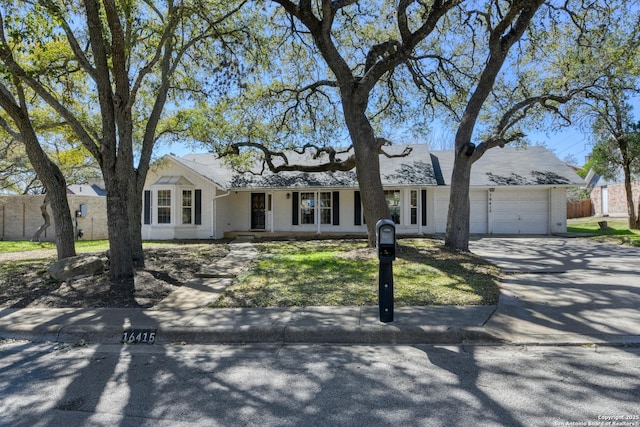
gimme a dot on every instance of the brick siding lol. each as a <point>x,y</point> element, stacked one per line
<point>617,199</point>
<point>20,217</point>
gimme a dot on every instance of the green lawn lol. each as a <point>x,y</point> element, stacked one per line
<point>339,272</point>
<point>25,245</point>
<point>312,273</point>
<point>617,230</point>
<point>82,246</point>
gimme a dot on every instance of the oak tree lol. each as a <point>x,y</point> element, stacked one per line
<point>118,65</point>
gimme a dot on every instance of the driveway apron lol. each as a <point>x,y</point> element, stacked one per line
<point>564,289</point>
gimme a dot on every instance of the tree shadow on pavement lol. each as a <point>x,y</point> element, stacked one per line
<point>317,385</point>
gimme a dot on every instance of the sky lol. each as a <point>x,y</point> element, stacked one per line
<point>568,142</point>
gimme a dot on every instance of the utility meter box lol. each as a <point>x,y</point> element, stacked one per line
<point>386,240</point>
<point>83,211</point>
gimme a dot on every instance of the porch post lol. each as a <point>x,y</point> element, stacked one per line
<point>420,204</point>
<point>272,212</point>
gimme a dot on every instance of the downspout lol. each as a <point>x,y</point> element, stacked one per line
<point>214,217</point>
<point>550,210</point>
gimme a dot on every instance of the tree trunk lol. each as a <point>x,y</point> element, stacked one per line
<point>457,233</point>
<point>365,146</point>
<point>56,186</point>
<point>47,220</point>
<point>634,217</point>
<point>135,221</point>
<point>636,223</point>
<point>121,271</point>
<point>65,237</point>
<point>47,171</point>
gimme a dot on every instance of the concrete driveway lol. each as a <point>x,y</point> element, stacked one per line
<point>564,289</point>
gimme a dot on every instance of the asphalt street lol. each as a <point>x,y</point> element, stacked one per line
<point>317,385</point>
<point>568,310</point>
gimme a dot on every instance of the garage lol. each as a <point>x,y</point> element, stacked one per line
<point>519,211</point>
<point>479,211</point>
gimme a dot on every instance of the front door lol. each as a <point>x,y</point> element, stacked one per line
<point>257,211</point>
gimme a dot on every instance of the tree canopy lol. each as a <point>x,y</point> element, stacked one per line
<point>109,69</point>
<point>364,74</point>
<point>307,75</point>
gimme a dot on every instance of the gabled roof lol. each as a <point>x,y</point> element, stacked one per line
<point>594,180</point>
<point>208,166</point>
<point>86,190</point>
<point>533,165</point>
<point>507,166</point>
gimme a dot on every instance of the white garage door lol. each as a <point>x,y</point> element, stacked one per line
<point>479,209</point>
<point>441,201</point>
<point>519,211</point>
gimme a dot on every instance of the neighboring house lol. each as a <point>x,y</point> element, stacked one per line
<point>513,191</point>
<point>609,197</point>
<point>95,187</point>
<point>20,216</point>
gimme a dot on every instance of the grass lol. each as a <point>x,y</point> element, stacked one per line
<point>345,272</point>
<point>25,245</point>
<point>82,246</point>
<point>311,273</point>
<point>617,230</point>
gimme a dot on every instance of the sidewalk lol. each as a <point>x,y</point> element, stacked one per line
<point>183,318</point>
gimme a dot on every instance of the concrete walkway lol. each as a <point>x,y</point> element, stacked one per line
<point>211,280</point>
<point>557,291</point>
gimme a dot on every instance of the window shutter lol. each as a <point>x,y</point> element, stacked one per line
<point>357,208</point>
<point>147,207</point>
<point>294,208</point>
<point>423,202</point>
<point>336,208</point>
<point>198,207</point>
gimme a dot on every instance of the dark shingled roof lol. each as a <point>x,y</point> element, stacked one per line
<point>499,166</point>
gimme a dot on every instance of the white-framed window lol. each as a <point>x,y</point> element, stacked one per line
<point>187,206</point>
<point>393,201</point>
<point>413,205</point>
<point>326,210</point>
<point>307,208</point>
<point>164,206</point>
<point>308,205</point>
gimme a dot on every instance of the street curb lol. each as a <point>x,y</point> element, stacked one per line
<point>331,334</point>
<point>254,334</point>
<point>40,333</point>
<point>572,340</point>
<point>385,334</point>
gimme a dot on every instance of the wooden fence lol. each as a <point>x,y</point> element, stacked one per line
<point>579,209</point>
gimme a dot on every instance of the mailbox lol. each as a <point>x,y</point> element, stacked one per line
<point>386,243</point>
<point>386,240</point>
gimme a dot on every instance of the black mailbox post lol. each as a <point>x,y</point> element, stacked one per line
<point>386,244</point>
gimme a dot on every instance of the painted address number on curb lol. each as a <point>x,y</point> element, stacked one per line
<point>134,336</point>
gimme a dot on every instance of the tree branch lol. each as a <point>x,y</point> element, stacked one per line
<point>270,158</point>
<point>7,58</point>
<point>79,54</point>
